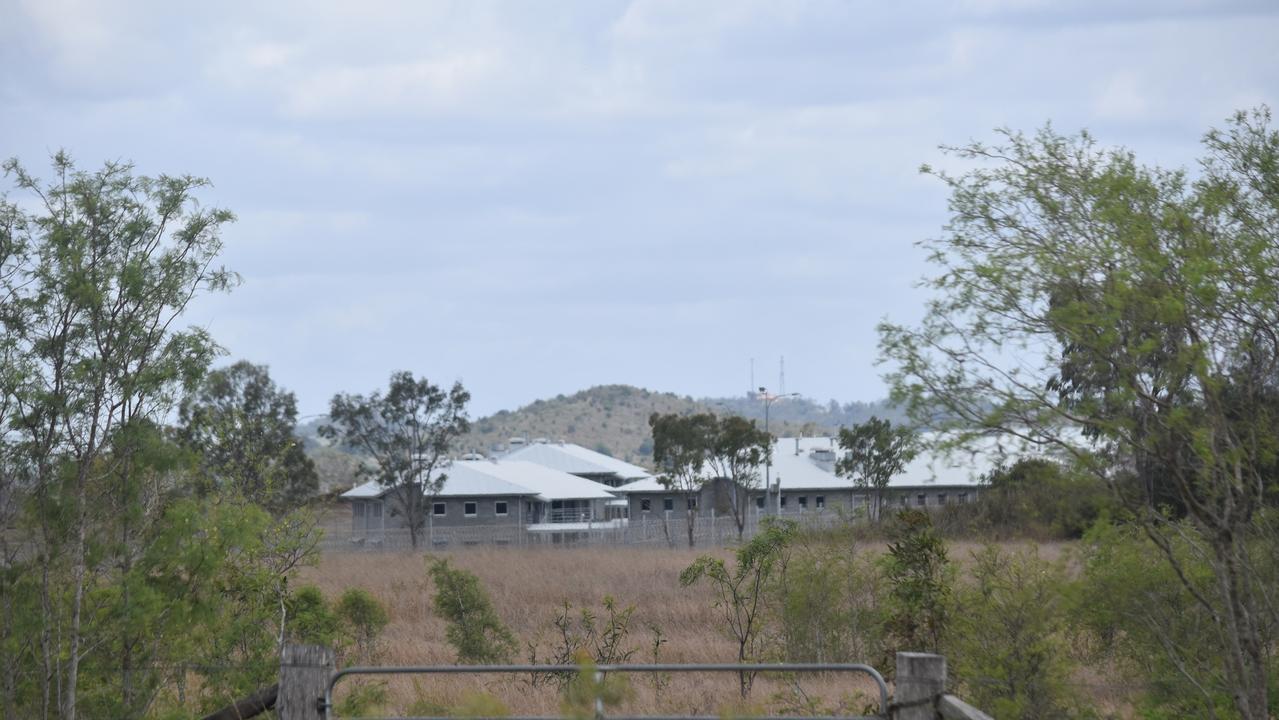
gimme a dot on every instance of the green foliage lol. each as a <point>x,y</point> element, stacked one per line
<point>363,618</point>
<point>1039,498</point>
<point>585,634</point>
<point>874,452</point>
<point>920,579</point>
<point>741,594</point>
<point>1126,315</point>
<point>1008,643</point>
<point>474,629</point>
<point>362,699</point>
<point>409,432</point>
<point>1151,624</point>
<point>242,425</point>
<point>96,269</point>
<point>828,605</point>
<point>590,691</point>
<point>690,450</point>
<point>311,620</point>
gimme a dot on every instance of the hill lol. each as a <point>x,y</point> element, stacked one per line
<point>613,419</point>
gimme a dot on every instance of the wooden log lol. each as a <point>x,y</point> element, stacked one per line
<point>251,706</point>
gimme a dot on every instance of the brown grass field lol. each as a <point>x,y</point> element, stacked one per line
<point>528,587</point>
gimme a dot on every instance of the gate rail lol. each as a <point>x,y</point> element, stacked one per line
<point>325,704</point>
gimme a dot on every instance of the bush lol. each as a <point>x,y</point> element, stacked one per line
<point>1039,498</point>
<point>828,604</point>
<point>1009,645</point>
<point>474,629</point>
<point>364,618</point>
<point>312,621</point>
<point>919,577</point>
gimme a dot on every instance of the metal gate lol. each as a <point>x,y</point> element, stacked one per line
<point>602,670</point>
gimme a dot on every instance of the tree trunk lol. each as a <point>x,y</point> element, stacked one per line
<point>690,519</point>
<point>1245,656</point>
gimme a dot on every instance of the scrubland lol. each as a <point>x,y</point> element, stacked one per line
<point>529,587</point>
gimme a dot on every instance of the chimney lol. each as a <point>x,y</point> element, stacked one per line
<point>796,446</point>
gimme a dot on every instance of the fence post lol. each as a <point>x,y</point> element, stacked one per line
<point>921,679</point>
<point>304,674</point>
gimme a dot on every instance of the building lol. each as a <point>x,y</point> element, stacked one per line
<point>490,495</point>
<point>802,480</point>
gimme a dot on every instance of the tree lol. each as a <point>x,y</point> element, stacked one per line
<point>874,452</point>
<point>737,449</point>
<point>93,279</point>
<point>242,424</point>
<point>1009,636</point>
<point>1127,316</point>
<point>681,445</point>
<point>408,432</point>
<point>919,578</point>
<point>741,593</point>
<point>474,629</point>
<point>363,618</point>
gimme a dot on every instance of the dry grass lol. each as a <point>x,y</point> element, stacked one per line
<point>528,586</point>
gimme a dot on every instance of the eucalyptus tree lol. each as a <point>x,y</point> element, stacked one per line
<point>408,432</point>
<point>1127,315</point>
<point>681,446</point>
<point>242,424</point>
<point>874,453</point>
<point>737,449</point>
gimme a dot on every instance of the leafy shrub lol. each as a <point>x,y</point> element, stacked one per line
<point>311,620</point>
<point>1009,641</point>
<point>363,618</point>
<point>919,577</point>
<point>474,629</point>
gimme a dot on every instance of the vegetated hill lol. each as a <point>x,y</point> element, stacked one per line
<point>612,419</point>
<point>800,411</point>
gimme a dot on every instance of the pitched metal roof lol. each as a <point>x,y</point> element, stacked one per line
<point>477,478</point>
<point>575,459</point>
<point>794,468</point>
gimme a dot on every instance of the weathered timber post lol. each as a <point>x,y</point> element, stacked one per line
<point>304,675</point>
<point>921,679</point>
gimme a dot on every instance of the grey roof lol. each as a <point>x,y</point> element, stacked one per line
<point>577,460</point>
<point>477,478</point>
<point>794,468</point>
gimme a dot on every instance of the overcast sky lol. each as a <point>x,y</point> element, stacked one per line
<point>536,197</point>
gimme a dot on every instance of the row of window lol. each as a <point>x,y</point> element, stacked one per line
<point>469,509</point>
<point>819,501</point>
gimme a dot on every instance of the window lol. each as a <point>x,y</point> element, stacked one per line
<point>359,509</point>
<point>921,500</point>
<point>646,504</point>
<point>803,502</point>
<point>903,499</point>
<point>375,510</point>
<point>759,502</point>
<point>500,508</point>
<point>962,498</point>
<point>941,498</point>
<point>468,509</point>
<point>668,504</point>
<point>692,503</point>
<point>821,501</point>
<point>438,509</point>
<point>783,501</point>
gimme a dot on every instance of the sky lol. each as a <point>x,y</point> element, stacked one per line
<point>538,197</point>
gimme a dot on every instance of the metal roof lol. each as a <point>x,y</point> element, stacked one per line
<point>577,460</point>
<point>794,469</point>
<point>477,478</point>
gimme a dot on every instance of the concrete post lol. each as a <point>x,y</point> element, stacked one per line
<point>304,674</point>
<point>921,678</point>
